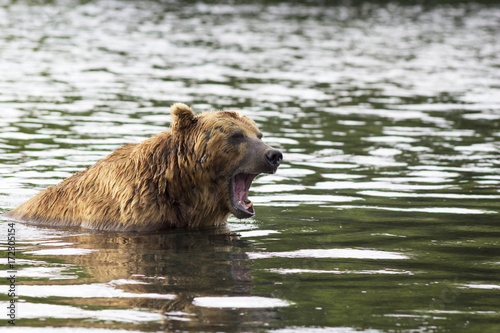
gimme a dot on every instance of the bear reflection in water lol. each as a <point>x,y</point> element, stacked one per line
<point>193,175</point>
<point>184,264</point>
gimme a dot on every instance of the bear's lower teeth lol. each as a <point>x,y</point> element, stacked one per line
<point>247,205</point>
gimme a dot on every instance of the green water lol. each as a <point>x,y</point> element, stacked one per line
<point>382,218</point>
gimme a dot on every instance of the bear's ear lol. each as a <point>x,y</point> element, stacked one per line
<point>182,116</point>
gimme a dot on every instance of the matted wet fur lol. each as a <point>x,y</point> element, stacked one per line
<point>193,175</point>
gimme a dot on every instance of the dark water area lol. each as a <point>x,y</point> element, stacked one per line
<point>383,217</point>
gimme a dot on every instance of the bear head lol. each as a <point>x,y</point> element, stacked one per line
<point>224,152</point>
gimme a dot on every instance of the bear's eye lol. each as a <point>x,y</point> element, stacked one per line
<point>236,137</point>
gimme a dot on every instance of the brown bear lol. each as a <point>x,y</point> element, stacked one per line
<point>193,175</point>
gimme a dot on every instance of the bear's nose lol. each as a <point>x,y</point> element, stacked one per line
<point>274,157</point>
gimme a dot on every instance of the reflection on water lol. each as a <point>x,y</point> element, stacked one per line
<point>382,218</point>
<point>168,278</point>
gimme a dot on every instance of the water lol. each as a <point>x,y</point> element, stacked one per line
<point>382,218</point>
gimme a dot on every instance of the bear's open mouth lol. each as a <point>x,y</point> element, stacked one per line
<point>243,207</point>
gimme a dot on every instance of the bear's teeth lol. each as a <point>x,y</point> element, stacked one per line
<point>247,205</point>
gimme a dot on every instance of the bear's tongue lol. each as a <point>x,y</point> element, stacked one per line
<point>241,185</point>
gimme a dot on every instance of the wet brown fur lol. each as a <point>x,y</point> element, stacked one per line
<point>178,178</point>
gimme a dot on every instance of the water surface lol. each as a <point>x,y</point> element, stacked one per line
<point>382,218</point>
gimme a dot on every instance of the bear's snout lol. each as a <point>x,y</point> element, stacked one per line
<point>274,157</point>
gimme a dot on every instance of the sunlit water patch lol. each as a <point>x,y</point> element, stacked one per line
<point>67,312</point>
<point>239,302</point>
<point>329,253</point>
